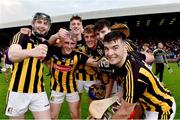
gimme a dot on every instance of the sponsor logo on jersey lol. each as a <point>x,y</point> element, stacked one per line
<point>62,68</point>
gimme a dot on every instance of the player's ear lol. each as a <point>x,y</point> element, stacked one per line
<point>125,46</point>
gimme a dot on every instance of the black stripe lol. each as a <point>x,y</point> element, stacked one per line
<point>68,82</point>
<point>28,76</point>
<point>42,80</point>
<point>91,77</point>
<point>77,75</point>
<point>60,81</point>
<point>17,77</point>
<point>36,76</point>
<point>157,107</point>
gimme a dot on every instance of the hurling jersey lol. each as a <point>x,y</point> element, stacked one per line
<point>140,84</point>
<point>88,73</point>
<point>27,75</point>
<point>63,69</point>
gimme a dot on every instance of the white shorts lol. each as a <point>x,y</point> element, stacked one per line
<point>58,97</point>
<point>19,103</point>
<point>154,115</point>
<point>85,85</point>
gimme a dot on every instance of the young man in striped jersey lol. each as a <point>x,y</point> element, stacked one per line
<point>26,87</point>
<point>138,82</point>
<point>103,27</point>
<point>63,66</point>
<point>88,75</point>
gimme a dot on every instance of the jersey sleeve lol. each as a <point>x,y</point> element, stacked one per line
<point>20,39</point>
<point>134,85</point>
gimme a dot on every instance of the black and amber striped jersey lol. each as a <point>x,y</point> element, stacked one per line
<point>88,73</point>
<point>80,44</point>
<point>140,84</point>
<point>27,75</point>
<point>63,69</point>
<point>131,47</point>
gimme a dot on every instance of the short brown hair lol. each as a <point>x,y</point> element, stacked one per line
<point>89,29</point>
<point>76,17</point>
<point>100,24</point>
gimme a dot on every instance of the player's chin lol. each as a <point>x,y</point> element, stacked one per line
<point>90,45</point>
<point>112,61</point>
<point>68,52</point>
<point>41,32</point>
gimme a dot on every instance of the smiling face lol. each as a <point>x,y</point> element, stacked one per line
<point>68,44</point>
<point>40,27</point>
<point>101,33</point>
<point>76,26</point>
<point>115,52</point>
<point>90,40</point>
<point>115,48</point>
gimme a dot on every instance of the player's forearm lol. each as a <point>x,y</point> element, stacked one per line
<point>52,39</point>
<point>17,55</point>
<point>149,57</point>
<point>109,87</point>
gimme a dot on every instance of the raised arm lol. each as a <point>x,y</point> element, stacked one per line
<point>17,54</point>
<point>56,38</point>
<point>149,57</point>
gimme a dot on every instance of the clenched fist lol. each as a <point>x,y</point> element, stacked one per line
<point>39,51</point>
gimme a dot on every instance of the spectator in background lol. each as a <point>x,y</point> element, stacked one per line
<point>7,65</point>
<point>160,60</point>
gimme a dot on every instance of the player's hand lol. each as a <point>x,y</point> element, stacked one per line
<point>57,38</point>
<point>39,51</point>
<point>103,63</point>
<point>104,66</point>
<point>62,33</point>
<point>26,31</point>
<point>170,70</point>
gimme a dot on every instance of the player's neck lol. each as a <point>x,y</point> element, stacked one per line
<point>79,37</point>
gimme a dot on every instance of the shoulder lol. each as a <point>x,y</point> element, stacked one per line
<point>20,38</point>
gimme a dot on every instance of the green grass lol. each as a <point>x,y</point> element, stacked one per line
<point>172,82</point>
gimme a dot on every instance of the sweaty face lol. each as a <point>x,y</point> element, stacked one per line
<point>90,39</point>
<point>67,46</point>
<point>76,26</point>
<point>115,51</point>
<point>100,34</point>
<point>40,26</point>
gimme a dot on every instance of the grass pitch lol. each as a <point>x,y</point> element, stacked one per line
<point>172,82</point>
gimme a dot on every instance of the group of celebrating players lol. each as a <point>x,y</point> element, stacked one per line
<point>98,58</point>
